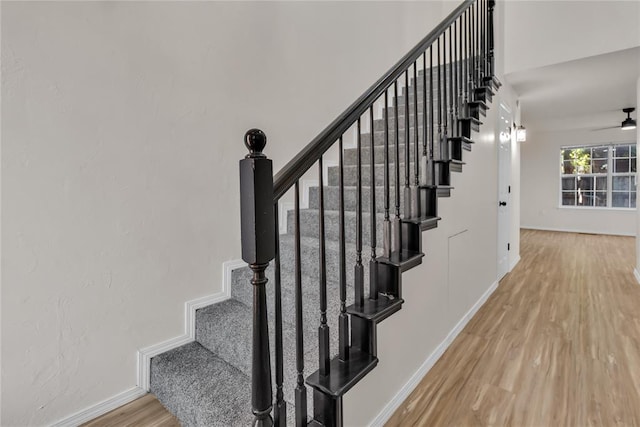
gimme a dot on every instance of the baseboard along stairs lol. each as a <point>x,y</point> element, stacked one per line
<point>299,330</point>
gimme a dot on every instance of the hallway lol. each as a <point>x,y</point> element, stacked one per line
<point>557,344</point>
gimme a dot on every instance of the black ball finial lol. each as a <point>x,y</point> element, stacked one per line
<point>255,140</point>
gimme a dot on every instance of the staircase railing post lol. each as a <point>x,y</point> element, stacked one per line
<point>258,249</point>
<point>492,63</point>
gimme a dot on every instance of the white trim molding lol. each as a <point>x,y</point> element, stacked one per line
<point>567,230</point>
<point>637,275</point>
<point>415,379</point>
<point>101,408</point>
<point>190,307</point>
<point>145,354</point>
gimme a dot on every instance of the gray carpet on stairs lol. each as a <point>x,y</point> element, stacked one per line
<point>207,382</point>
<point>200,388</point>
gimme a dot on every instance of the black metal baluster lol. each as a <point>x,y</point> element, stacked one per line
<point>423,166</point>
<point>359,269</point>
<point>476,23</point>
<point>343,319</point>
<point>386,228</point>
<point>435,178</point>
<point>301,389</point>
<point>445,113</point>
<point>456,32</point>
<point>482,38</point>
<point>280,412</point>
<point>395,225</point>
<point>323,329</point>
<point>480,47</point>
<point>451,93</point>
<point>472,39</point>
<point>491,5</point>
<point>373,284</point>
<point>485,49</point>
<point>431,115</point>
<point>407,148</point>
<point>473,51</point>
<point>467,46</point>
<point>415,202</point>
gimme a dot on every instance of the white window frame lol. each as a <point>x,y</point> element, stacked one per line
<point>609,175</point>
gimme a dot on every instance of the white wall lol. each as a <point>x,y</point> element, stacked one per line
<point>570,30</point>
<point>123,125</point>
<point>459,266</point>
<point>541,185</point>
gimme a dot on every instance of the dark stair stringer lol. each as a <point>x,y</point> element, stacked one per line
<point>207,382</point>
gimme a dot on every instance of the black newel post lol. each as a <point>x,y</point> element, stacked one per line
<point>258,248</point>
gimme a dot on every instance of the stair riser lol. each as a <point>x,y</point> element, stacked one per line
<point>351,175</point>
<point>242,291</point>
<point>200,389</point>
<point>332,199</point>
<point>351,154</point>
<point>310,258</point>
<point>379,124</point>
<point>226,331</point>
<point>310,220</point>
<point>379,137</point>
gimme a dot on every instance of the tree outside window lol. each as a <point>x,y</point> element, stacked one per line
<point>598,176</point>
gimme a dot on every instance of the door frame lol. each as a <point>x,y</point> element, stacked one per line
<point>503,220</point>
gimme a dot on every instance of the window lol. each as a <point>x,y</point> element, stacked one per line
<point>598,176</point>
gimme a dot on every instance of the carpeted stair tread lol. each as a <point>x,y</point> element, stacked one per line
<point>201,389</point>
<point>225,329</point>
<point>310,255</point>
<point>241,291</point>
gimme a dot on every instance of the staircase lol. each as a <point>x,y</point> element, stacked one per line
<point>305,311</point>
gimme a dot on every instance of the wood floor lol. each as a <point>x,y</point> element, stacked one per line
<point>557,344</point>
<point>145,411</point>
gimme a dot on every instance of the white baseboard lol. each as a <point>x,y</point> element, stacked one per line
<point>190,307</point>
<point>101,408</point>
<point>636,274</point>
<point>415,379</point>
<point>145,354</point>
<point>514,263</point>
<point>571,230</point>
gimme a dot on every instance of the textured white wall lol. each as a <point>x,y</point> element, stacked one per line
<point>541,185</point>
<point>571,30</point>
<point>123,124</point>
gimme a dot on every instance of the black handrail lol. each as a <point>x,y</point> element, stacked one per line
<point>310,154</point>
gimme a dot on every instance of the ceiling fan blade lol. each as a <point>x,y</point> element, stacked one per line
<point>610,127</point>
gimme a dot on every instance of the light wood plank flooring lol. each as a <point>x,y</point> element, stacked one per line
<point>557,344</point>
<point>145,411</point>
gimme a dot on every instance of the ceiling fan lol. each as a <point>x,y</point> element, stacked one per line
<point>627,124</point>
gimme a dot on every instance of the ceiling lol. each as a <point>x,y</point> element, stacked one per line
<point>587,93</point>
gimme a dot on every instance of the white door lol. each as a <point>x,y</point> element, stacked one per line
<point>504,162</point>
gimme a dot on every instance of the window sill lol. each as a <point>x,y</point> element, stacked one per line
<point>594,208</point>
